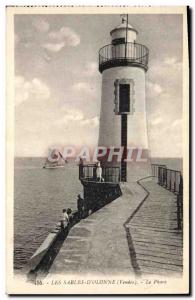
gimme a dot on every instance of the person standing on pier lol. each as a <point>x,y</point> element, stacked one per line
<point>99,172</point>
<point>65,220</point>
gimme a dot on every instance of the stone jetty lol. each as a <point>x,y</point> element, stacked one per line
<point>135,234</point>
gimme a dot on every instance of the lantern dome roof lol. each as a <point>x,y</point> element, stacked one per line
<point>123,26</point>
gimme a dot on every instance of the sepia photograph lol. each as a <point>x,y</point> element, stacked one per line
<point>97,150</point>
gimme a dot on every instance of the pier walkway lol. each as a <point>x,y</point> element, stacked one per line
<point>155,243</point>
<point>134,234</point>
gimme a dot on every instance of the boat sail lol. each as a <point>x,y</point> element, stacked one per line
<point>55,160</point>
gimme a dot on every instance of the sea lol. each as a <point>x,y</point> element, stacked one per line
<point>39,197</point>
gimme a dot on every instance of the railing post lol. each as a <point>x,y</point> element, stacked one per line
<point>170,180</point>
<point>94,174</point>
<point>162,176</point>
<point>166,179</point>
<point>80,171</point>
<point>181,185</point>
<point>180,205</point>
<point>158,175</point>
<point>178,213</point>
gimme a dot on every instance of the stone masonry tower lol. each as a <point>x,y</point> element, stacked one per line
<point>123,65</point>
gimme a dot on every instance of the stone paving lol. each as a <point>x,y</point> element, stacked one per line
<point>98,245</point>
<point>155,239</point>
<point>134,234</point>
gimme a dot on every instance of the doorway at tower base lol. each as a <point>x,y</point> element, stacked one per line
<point>134,163</point>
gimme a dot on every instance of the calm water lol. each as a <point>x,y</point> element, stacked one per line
<point>40,194</point>
<point>171,163</point>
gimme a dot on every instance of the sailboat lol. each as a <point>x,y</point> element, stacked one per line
<point>55,160</point>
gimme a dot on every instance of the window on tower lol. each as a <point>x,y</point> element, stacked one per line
<point>118,41</point>
<point>124,98</point>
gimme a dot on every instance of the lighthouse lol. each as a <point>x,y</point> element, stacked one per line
<point>123,123</point>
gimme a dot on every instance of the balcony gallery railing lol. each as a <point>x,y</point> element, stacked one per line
<point>89,173</point>
<point>173,181</point>
<point>123,54</point>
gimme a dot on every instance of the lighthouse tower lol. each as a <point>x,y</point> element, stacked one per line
<point>123,65</point>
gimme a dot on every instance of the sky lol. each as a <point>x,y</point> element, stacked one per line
<point>58,85</point>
